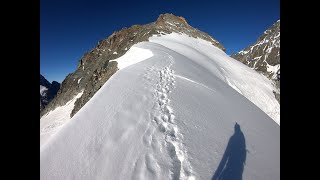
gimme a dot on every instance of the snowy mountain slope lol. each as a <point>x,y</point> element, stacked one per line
<point>53,120</point>
<point>171,116</point>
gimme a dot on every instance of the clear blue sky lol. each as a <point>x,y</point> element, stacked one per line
<point>69,28</point>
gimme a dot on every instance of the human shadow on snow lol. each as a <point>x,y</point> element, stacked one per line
<point>232,163</point>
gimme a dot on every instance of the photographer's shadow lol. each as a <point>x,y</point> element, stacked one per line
<point>232,163</point>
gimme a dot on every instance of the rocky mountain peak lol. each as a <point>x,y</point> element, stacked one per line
<point>55,83</point>
<point>44,82</point>
<point>271,33</point>
<point>95,68</point>
<point>168,18</point>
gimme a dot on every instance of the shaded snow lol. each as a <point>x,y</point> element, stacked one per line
<point>171,24</point>
<point>42,90</point>
<point>243,52</point>
<point>273,69</point>
<point>79,80</point>
<point>257,58</point>
<point>172,115</point>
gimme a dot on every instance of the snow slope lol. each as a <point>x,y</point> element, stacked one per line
<point>52,121</point>
<point>256,87</point>
<point>171,116</point>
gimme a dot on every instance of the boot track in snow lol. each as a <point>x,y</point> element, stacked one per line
<point>165,120</point>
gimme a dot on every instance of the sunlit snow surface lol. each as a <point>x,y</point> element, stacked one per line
<point>174,115</point>
<point>257,88</point>
<point>133,56</point>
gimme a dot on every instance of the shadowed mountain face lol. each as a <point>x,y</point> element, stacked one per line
<point>47,91</point>
<point>232,163</point>
<point>44,81</point>
<point>94,68</point>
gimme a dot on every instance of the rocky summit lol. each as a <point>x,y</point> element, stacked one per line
<point>95,67</point>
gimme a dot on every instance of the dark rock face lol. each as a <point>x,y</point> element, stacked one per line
<point>94,68</point>
<point>47,91</point>
<point>42,103</point>
<point>100,76</point>
<point>264,55</point>
<point>53,90</point>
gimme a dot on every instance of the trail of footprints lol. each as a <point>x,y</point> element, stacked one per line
<point>165,120</point>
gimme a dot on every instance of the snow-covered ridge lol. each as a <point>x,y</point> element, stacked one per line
<point>172,115</point>
<point>246,81</point>
<point>96,61</point>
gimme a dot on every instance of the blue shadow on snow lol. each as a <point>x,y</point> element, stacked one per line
<point>232,163</point>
